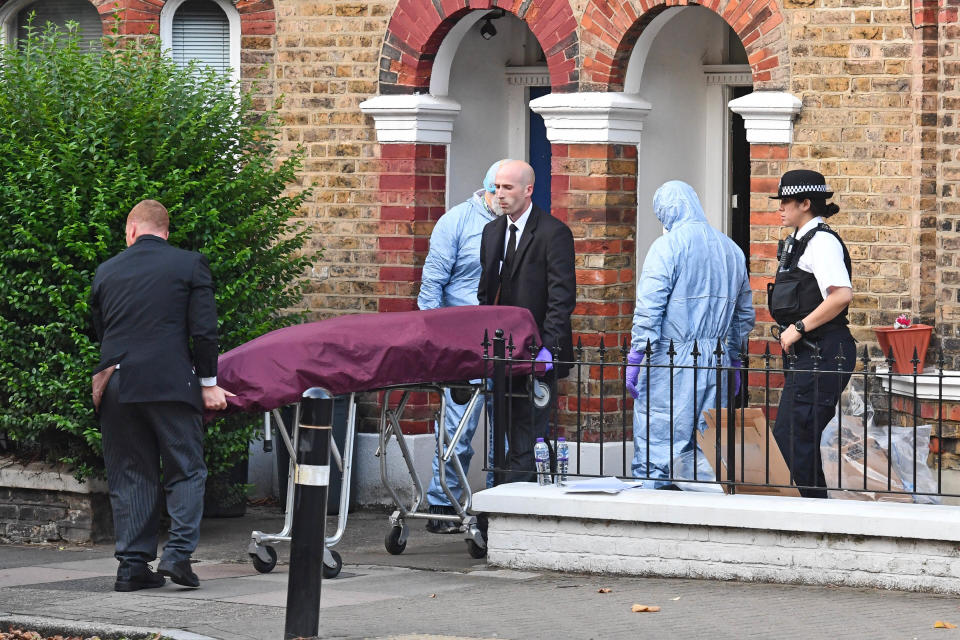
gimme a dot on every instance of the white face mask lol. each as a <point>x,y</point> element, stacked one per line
<point>493,205</point>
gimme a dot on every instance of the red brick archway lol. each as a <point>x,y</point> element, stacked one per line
<point>609,32</point>
<point>610,29</point>
<point>142,17</point>
<point>418,27</point>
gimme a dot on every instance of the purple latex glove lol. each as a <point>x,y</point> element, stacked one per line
<point>736,364</point>
<point>634,359</point>
<point>546,357</point>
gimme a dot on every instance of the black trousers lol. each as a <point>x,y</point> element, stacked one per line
<point>525,423</point>
<point>807,404</point>
<point>137,438</point>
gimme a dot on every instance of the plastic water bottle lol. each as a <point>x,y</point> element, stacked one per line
<point>563,460</point>
<point>541,453</point>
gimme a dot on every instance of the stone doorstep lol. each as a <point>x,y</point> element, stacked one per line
<point>769,513</point>
<point>675,534</point>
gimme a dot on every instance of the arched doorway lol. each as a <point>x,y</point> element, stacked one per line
<point>689,63</point>
<point>492,65</point>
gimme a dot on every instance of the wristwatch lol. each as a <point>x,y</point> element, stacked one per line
<point>798,325</point>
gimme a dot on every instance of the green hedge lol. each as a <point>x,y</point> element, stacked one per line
<point>83,137</point>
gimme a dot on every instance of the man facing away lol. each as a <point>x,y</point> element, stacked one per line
<point>451,273</point>
<point>527,261</point>
<point>155,316</point>
<point>694,290</point>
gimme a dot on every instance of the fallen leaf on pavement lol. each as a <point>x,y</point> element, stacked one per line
<point>940,624</point>
<point>604,590</point>
<point>645,608</point>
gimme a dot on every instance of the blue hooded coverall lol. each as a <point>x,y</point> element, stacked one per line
<point>694,289</point>
<point>451,274</point>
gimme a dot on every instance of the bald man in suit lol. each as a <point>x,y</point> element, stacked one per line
<point>527,260</point>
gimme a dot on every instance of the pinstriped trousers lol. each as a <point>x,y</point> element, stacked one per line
<point>149,447</point>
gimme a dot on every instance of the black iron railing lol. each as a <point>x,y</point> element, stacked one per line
<point>880,444</point>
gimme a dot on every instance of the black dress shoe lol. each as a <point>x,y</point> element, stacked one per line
<point>180,573</point>
<point>145,579</point>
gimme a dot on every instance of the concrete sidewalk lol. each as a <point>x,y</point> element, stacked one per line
<point>436,589</point>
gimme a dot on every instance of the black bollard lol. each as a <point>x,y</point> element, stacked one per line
<point>309,513</point>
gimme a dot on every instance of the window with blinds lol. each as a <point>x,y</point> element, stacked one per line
<point>59,12</point>
<point>201,32</point>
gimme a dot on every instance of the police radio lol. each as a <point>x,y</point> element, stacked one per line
<point>785,251</point>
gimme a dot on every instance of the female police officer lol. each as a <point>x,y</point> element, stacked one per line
<point>809,300</point>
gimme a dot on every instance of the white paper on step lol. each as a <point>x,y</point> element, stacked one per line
<point>601,485</point>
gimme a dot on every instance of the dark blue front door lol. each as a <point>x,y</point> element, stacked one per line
<point>540,153</point>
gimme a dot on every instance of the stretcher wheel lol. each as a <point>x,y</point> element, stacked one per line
<point>393,543</point>
<point>265,566</point>
<point>333,572</point>
<point>475,550</point>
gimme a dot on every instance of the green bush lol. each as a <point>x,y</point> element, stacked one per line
<point>83,137</point>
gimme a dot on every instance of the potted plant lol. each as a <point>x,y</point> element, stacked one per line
<point>905,338</point>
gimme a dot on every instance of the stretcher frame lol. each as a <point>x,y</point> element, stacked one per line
<point>260,549</point>
<point>389,426</point>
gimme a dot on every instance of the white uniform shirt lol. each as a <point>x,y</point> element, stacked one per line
<point>823,258</point>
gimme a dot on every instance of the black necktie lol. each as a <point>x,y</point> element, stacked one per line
<point>511,248</point>
<point>507,266</point>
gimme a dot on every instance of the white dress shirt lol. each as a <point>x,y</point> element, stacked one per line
<point>823,258</point>
<point>520,224</point>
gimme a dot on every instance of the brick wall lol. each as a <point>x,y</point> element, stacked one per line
<point>42,515</point>
<point>327,64</point>
<point>948,184</point>
<point>594,190</point>
<point>722,553</point>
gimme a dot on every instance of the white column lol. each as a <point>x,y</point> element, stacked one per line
<point>592,118</point>
<point>600,118</point>
<point>768,116</point>
<point>419,119</point>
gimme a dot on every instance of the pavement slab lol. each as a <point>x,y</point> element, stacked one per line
<point>435,591</point>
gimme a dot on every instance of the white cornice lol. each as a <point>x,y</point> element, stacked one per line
<point>593,117</point>
<point>528,76</point>
<point>422,119</point>
<point>737,75</point>
<point>768,116</point>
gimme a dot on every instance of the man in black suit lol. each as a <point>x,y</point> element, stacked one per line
<point>526,258</point>
<point>149,302</point>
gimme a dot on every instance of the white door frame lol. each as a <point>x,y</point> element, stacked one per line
<point>519,80</point>
<point>720,79</point>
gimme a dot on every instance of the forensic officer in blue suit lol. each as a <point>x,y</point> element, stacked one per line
<point>693,290</point>
<point>451,275</point>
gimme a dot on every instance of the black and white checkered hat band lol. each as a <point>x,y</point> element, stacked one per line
<point>804,188</point>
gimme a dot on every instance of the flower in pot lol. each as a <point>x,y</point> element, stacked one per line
<point>907,340</point>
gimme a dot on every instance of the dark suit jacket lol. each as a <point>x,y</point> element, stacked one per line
<point>543,276</point>
<point>148,302</point>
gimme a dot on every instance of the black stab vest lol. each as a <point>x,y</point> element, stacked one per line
<point>795,293</point>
